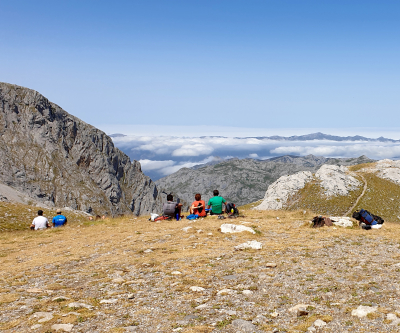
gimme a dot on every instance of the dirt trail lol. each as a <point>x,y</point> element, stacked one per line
<point>359,197</point>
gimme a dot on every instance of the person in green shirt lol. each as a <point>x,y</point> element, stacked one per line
<point>216,203</point>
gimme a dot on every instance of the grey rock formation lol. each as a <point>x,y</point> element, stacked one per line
<point>243,181</point>
<point>59,160</point>
<point>335,180</point>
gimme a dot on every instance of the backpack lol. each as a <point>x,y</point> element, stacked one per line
<point>231,209</point>
<point>169,208</point>
<point>192,217</point>
<point>367,218</point>
<point>320,221</point>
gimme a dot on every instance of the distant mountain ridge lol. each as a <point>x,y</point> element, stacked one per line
<point>243,181</point>
<point>59,160</point>
<point>322,136</point>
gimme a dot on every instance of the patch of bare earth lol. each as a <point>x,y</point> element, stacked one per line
<point>132,275</point>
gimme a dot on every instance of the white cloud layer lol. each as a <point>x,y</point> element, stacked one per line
<point>167,154</point>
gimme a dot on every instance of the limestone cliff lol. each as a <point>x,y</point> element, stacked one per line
<point>59,160</point>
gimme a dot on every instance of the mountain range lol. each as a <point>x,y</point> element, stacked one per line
<point>242,181</point>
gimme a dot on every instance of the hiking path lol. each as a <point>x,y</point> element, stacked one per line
<point>359,197</point>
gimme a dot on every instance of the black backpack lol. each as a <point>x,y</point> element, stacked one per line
<point>231,209</point>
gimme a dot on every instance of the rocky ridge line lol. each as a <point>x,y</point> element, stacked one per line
<point>59,160</point>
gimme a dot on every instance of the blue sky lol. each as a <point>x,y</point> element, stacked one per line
<point>262,64</point>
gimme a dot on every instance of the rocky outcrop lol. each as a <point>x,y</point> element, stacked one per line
<point>336,181</point>
<point>59,160</point>
<point>387,169</point>
<point>333,179</point>
<point>278,192</point>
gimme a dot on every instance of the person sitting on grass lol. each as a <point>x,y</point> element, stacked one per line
<point>172,208</point>
<point>59,220</point>
<point>216,203</point>
<point>40,222</point>
<point>198,206</point>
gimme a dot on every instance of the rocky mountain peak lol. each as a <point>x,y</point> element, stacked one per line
<point>58,159</point>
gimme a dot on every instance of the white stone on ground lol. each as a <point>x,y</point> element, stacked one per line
<point>335,180</point>
<point>341,221</point>
<point>244,325</point>
<point>176,273</point>
<point>195,288</point>
<point>294,309</point>
<point>36,326</point>
<point>247,292</point>
<point>34,290</point>
<point>249,245</point>
<point>226,292</point>
<point>109,301</point>
<point>319,323</point>
<point>233,228</point>
<point>45,316</point>
<point>80,305</point>
<point>279,191</point>
<point>186,229</point>
<point>363,311</point>
<point>118,280</point>
<point>63,327</point>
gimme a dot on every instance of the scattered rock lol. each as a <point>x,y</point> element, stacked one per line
<point>130,296</point>
<point>148,251</point>
<point>195,288</point>
<point>319,323</point>
<point>274,314</point>
<point>118,280</point>
<point>249,245</point>
<point>63,327</point>
<point>36,326</point>
<point>34,290</point>
<point>45,316</point>
<point>176,273</point>
<point>247,292</point>
<point>233,228</point>
<point>226,292</point>
<point>80,305</point>
<point>60,299</point>
<point>296,308</point>
<point>243,325</point>
<point>202,306</point>
<point>186,229</point>
<point>363,311</point>
<point>260,320</point>
<point>270,264</point>
<point>71,313</point>
<point>109,301</point>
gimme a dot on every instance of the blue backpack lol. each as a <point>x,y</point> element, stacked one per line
<point>192,217</point>
<point>367,218</point>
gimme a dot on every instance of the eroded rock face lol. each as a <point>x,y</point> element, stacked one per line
<point>336,181</point>
<point>279,191</point>
<point>388,169</point>
<point>59,160</point>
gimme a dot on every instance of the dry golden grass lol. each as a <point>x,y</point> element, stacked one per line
<point>117,245</point>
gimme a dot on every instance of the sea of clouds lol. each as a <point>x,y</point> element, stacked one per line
<point>163,155</point>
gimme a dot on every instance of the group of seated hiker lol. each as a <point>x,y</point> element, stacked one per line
<point>214,206</point>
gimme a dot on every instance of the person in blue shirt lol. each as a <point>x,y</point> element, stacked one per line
<point>59,220</point>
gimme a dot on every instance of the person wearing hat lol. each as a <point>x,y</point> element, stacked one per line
<point>59,220</point>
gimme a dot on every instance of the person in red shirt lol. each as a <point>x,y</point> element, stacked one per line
<point>198,206</point>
